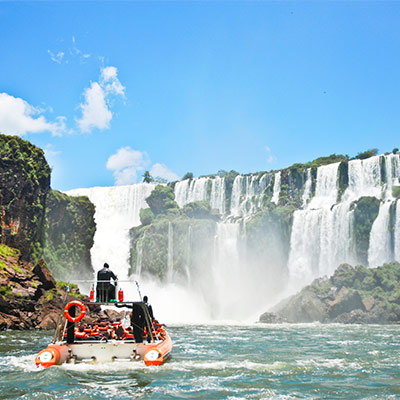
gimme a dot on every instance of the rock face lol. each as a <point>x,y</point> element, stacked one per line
<point>351,295</point>
<point>30,298</point>
<point>24,184</point>
<point>70,228</point>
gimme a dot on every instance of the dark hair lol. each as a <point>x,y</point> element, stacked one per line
<point>145,298</point>
<point>106,265</point>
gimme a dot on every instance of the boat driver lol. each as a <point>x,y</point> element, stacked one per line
<point>105,289</point>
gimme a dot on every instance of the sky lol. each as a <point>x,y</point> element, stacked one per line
<point>111,89</point>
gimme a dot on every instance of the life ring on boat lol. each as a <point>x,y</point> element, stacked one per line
<point>48,357</point>
<point>78,304</point>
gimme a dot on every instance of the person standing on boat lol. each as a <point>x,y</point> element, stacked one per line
<point>105,289</point>
<point>138,322</point>
<point>149,307</point>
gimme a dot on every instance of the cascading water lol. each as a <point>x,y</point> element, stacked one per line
<point>307,188</point>
<point>117,210</point>
<point>379,250</point>
<point>322,233</point>
<point>277,188</point>
<point>170,265</point>
<point>397,233</point>
<point>321,236</point>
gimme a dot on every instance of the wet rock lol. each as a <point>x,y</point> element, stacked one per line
<point>44,276</point>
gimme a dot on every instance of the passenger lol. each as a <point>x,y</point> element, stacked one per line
<point>149,307</point>
<point>137,322</point>
<point>105,289</point>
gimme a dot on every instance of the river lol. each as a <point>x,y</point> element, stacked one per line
<point>254,361</point>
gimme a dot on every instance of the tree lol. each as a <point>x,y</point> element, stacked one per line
<point>188,175</point>
<point>161,200</point>
<point>146,216</point>
<point>367,154</point>
<point>147,178</point>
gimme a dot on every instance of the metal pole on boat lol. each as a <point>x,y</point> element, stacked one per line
<point>138,289</point>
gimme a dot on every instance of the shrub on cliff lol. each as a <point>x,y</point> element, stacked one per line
<point>162,200</point>
<point>366,210</point>
<point>70,228</point>
<point>367,154</point>
<point>24,183</point>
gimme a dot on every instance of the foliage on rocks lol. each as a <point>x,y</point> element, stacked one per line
<point>162,200</point>
<point>352,295</point>
<point>70,229</point>
<point>24,183</point>
<point>366,210</point>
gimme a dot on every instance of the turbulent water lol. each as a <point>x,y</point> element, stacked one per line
<point>222,362</point>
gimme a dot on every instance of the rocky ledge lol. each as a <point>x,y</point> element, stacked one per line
<point>356,295</point>
<point>30,298</point>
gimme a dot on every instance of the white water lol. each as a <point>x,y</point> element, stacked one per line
<point>320,238</point>
<point>117,210</point>
<point>277,188</point>
<point>322,233</point>
<point>307,188</point>
<point>379,250</point>
<point>397,233</point>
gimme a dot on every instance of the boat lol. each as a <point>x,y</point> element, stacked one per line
<point>107,339</point>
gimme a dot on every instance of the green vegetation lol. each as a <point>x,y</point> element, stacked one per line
<point>70,229</point>
<point>24,183</point>
<point>188,175</point>
<point>147,178</point>
<point>199,209</point>
<point>162,200</point>
<point>146,216</point>
<point>396,192</point>
<point>6,251</point>
<point>366,210</point>
<point>382,284</point>
<point>367,154</point>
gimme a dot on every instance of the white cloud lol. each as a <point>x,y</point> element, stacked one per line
<point>270,157</point>
<point>18,117</point>
<point>110,82</point>
<point>57,58</point>
<point>125,164</point>
<point>161,171</point>
<point>96,112</point>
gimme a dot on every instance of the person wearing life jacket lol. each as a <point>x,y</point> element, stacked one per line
<point>137,322</point>
<point>80,333</point>
<point>105,289</point>
<point>149,307</point>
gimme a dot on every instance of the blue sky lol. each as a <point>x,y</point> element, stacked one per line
<point>110,89</point>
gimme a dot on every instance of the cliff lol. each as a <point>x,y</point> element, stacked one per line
<point>30,297</point>
<point>70,228</point>
<point>350,295</point>
<point>24,184</point>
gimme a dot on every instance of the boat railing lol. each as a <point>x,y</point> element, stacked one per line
<point>106,291</point>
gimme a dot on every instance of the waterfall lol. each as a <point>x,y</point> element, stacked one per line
<point>397,233</point>
<point>315,244</point>
<point>217,200</point>
<point>277,188</point>
<point>188,255</point>
<point>379,250</point>
<point>196,189</point>
<point>117,210</point>
<point>307,188</point>
<point>246,196</point>
<point>139,256</point>
<point>170,266</point>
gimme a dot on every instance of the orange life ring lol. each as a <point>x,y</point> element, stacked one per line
<point>78,304</point>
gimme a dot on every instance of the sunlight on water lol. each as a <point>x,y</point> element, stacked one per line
<point>222,361</point>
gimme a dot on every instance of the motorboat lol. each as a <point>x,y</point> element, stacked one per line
<point>130,335</point>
